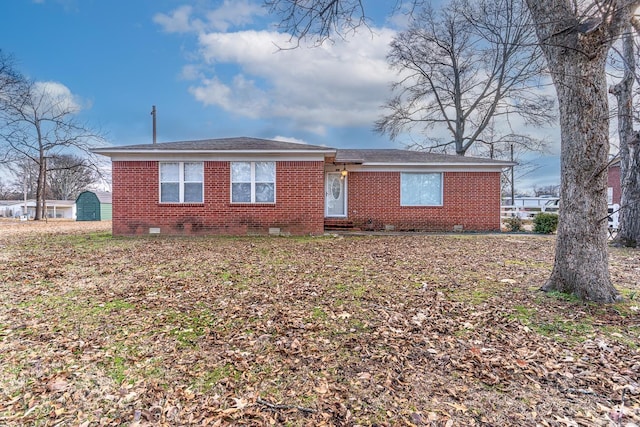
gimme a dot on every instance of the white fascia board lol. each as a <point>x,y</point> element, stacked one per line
<point>216,156</point>
<point>115,150</point>
<point>442,164</point>
<point>423,168</point>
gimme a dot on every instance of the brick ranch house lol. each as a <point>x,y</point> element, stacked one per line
<point>239,186</point>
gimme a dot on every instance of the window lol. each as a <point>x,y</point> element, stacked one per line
<point>181,182</point>
<point>421,189</point>
<point>253,182</point>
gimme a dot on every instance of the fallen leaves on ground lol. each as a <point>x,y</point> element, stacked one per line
<point>415,330</point>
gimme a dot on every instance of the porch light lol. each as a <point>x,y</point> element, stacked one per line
<point>344,172</point>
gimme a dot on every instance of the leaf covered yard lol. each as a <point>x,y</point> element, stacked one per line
<point>415,330</point>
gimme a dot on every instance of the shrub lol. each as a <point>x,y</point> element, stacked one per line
<point>513,224</point>
<point>545,223</point>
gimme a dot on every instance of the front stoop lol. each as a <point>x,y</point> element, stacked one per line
<point>339,224</point>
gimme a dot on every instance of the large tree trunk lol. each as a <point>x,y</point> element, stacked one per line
<point>629,232</point>
<point>581,264</point>
<point>40,195</point>
<point>576,58</point>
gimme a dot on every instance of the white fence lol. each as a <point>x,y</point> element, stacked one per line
<point>528,212</point>
<point>524,212</point>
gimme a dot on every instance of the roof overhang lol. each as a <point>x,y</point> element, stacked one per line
<point>115,150</point>
<point>499,164</point>
<point>212,155</point>
<point>418,168</point>
<point>422,166</point>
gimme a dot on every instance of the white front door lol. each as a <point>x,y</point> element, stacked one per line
<point>335,194</point>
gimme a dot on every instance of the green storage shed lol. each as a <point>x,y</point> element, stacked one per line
<point>93,206</point>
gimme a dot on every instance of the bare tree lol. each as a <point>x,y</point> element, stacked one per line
<point>39,124</point>
<point>9,76</point>
<point>629,153</point>
<point>325,19</point>
<point>463,66</point>
<point>8,191</point>
<point>576,38</point>
<point>69,175</point>
<point>513,147</point>
<point>25,177</point>
<point>547,190</point>
<point>10,82</point>
<point>320,18</point>
<point>496,144</point>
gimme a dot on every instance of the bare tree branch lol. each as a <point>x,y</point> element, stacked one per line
<point>40,125</point>
<point>461,67</point>
<point>321,19</point>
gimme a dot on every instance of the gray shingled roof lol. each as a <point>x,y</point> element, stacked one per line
<point>390,156</point>
<point>220,144</point>
<point>356,156</point>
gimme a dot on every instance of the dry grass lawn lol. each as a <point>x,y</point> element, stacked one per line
<point>415,330</point>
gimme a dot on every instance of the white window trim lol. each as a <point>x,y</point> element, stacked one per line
<point>253,183</point>
<point>181,182</point>
<point>424,173</point>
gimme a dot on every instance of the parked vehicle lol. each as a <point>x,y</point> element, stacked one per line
<point>552,205</point>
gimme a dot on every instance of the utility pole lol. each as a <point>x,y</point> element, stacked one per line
<point>513,184</point>
<point>153,113</point>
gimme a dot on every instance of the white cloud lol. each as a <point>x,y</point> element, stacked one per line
<point>213,92</point>
<point>339,84</point>
<point>191,72</point>
<point>240,97</point>
<point>289,139</point>
<point>236,13</point>
<point>56,98</point>
<point>178,21</point>
<point>239,66</point>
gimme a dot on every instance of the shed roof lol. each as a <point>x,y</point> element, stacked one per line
<point>103,196</point>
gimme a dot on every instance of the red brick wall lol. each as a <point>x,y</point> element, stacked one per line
<point>470,199</point>
<point>299,207</point>
<point>614,182</point>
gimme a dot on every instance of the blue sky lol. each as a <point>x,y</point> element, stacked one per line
<point>212,68</point>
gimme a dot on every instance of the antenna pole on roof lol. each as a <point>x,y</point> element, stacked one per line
<point>153,113</point>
